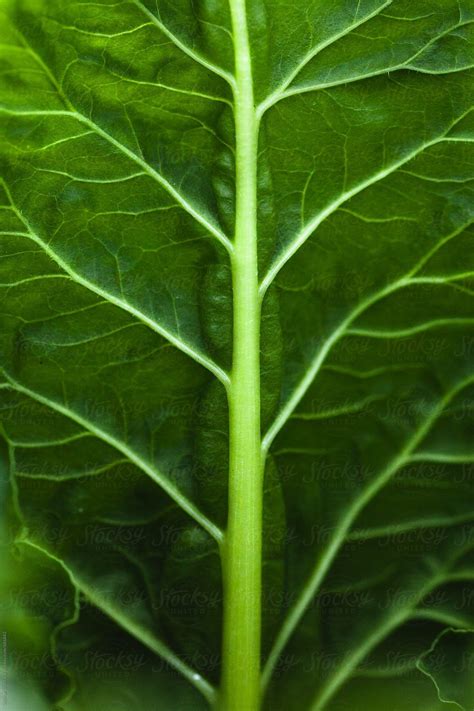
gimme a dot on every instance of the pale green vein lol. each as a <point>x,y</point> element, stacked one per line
<point>98,181</point>
<point>394,670</point>
<point>442,457</point>
<point>303,451</point>
<point>69,476</point>
<point>136,630</point>
<point>463,139</point>
<point>398,529</point>
<point>61,141</point>
<point>345,409</point>
<point>31,444</point>
<point>183,502</point>
<point>373,372</point>
<point>140,213</point>
<point>450,618</point>
<point>377,220</point>
<point>447,279</point>
<point>104,333</point>
<point>241,639</point>
<point>174,89</point>
<point>431,179</point>
<point>32,279</point>
<point>106,35</point>
<point>407,332</point>
<point>341,531</point>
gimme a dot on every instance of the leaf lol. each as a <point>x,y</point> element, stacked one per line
<point>236,385</point>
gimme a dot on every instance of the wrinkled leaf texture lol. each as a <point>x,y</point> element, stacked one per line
<point>116,211</point>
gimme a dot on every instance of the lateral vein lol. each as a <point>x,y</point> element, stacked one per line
<point>133,628</point>
<point>197,356</point>
<point>73,112</point>
<point>284,92</point>
<point>313,224</point>
<point>281,89</point>
<point>340,532</point>
<point>184,47</point>
<point>183,502</point>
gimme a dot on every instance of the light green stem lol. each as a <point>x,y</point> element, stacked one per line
<point>243,542</point>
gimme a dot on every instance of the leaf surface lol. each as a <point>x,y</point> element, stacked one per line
<point>119,198</point>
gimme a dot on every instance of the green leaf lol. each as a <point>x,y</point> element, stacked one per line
<point>237,328</point>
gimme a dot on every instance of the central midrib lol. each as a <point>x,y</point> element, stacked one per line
<point>242,548</point>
